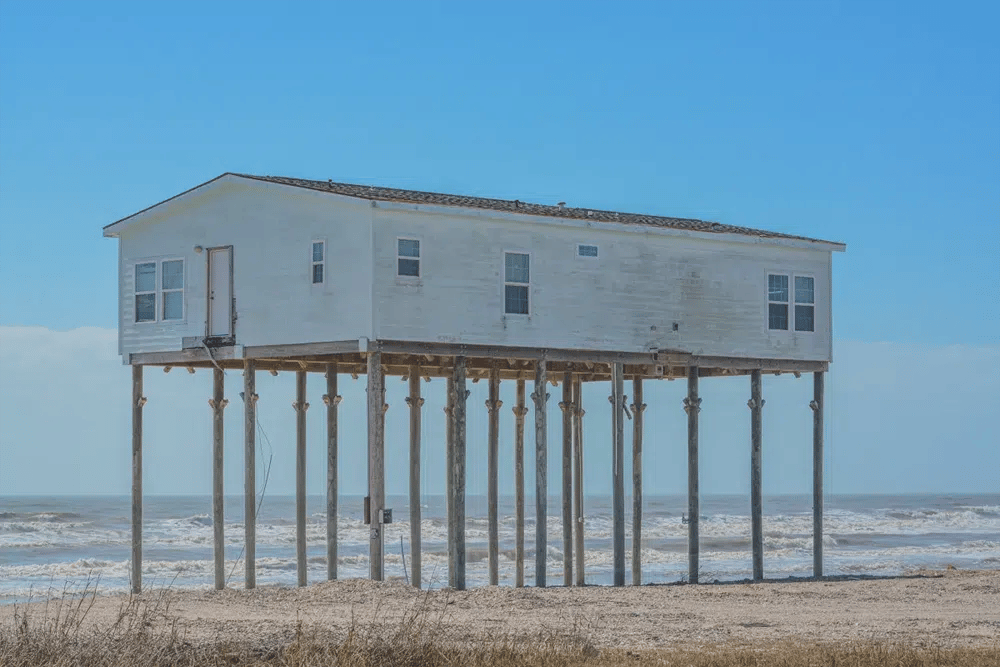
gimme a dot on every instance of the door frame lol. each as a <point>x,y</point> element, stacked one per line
<point>230,337</point>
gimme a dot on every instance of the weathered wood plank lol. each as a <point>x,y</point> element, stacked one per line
<point>300,349</point>
<point>618,473</point>
<point>519,413</point>
<point>376,465</point>
<point>181,357</point>
<point>332,400</point>
<point>458,473</point>
<point>416,403</point>
<point>578,535</point>
<point>568,413</point>
<point>540,397</point>
<point>493,405</point>
<point>449,473</point>
<point>706,363</point>
<point>638,407</point>
<point>756,499</point>
<point>138,400</point>
<point>300,407</point>
<point>817,407</point>
<point>533,353</point>
<point>692,405</point>
<point>218,404</point>
<point>250,473</point>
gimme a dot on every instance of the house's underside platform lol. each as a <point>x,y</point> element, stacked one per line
<point>437,360</point>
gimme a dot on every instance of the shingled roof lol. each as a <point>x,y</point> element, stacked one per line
<point>375,193</point>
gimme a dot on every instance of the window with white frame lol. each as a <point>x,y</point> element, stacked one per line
<point>159,291</point>
<point>584,250</point>
<point>145,292</point>
<point>791,295</point>
<point>408,258</point>
<point>318,262</point>
<point>805,308</point>
<point>172,288</point>
<point>517,281</point>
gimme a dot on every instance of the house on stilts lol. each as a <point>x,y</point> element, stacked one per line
<point>265,273</point>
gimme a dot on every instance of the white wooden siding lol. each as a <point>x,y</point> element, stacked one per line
<point>271,230</point>
<point>627,299</point>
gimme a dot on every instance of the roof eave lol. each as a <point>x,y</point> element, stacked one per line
<point>113,230</point>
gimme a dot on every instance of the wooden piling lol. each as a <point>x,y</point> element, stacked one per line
<point>332,400</point>
<point>756,404</point>
<point>415,402</point>
<point>493,485</point>
<point>692,405</point>
<point>540,396</point>
<point>618,472</point>
<point>376,465</point>
<point>817,407</point>
<point>578,536</point>
<point>638,407</point>
<point>218,497</point>
<point>250,472</point>
<point>449,473</point>
<point>567,476</point>
<point>458,483</point>
<point>138,400</point>
<point>300,475</point>
<point>519,413</point>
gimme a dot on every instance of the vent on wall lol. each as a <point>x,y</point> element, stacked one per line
<point>586,250</point>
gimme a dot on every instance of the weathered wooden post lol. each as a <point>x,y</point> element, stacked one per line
<point>218,404</point>
<point>415,402</point>
<point>756,404</point>
<point>692,406</point>
<point>458,473</point>
<point>540,397</point>
<point>638,407</point>
<point>250,471</point>
<point>578,480</point>
<point>519,413</point>
<point>817,408</point>
<point>376,464</point>
<point>332,400</point>
<point>493,463</point>
<point>567,476</point>
<point>300,407</point>
<point>618,471</point>
<point>449,473</point>
<point>138,400</point>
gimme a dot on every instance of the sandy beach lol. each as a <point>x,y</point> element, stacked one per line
<point>941,608</point>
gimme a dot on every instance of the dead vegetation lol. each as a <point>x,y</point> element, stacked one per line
<point>144,634</point>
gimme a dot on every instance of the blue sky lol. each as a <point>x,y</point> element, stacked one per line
<point>876,124</point>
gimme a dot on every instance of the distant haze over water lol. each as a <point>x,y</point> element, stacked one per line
<point>48,543</point>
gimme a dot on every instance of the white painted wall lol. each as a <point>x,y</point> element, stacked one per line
<point>628,299</point>
<point>271,229</point>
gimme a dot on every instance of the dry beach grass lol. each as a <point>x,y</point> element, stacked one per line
<point>927,619</point>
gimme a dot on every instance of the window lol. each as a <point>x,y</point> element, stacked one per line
<point>779,300</point>
<point>318,261</point>
<point>145,292</point>
<point>172,285</point>
<point>408,258</point>
<point>516,283</point>
<point>804,300</point>
<point>586,250</point>
<point>160,283</point>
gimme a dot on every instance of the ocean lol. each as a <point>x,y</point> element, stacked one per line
<point>52,544</point>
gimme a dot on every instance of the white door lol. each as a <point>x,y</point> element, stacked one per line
<point>220,292</point>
